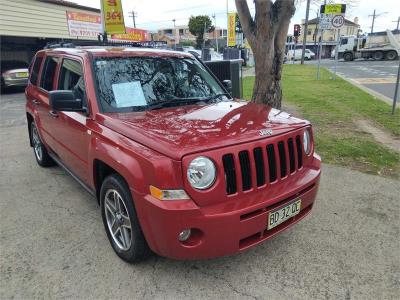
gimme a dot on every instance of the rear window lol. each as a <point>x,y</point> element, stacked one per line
<point>35,70</point>
<point>48,73</point>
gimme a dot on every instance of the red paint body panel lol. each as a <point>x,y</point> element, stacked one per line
<point>156,147</point>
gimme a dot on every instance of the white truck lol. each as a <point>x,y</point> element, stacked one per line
<point>377,45</point>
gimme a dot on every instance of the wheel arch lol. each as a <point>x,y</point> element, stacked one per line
<point>30,120</point>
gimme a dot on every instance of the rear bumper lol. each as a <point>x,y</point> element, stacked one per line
<point>224,228</point>
<point>18,82</point>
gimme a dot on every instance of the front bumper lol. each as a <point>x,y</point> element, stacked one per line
<point>224,228</point>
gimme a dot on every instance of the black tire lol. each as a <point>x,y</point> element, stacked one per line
<point>391,55</point>
<point>39,150</point>
<point>378,55</point>
<point>138,249</point>
<point>348,56</point>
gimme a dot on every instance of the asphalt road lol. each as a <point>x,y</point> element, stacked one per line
<point>53,245</point>
<point>379,76</point>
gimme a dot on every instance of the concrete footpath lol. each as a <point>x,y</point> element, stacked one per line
<point>53,245</point>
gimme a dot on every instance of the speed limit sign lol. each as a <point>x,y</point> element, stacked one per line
<point>337,21</point>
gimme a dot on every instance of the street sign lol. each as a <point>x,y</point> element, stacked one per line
<point>83,24</point>
<point>325,22</point>
<point>113,16</point>
<point>231,29</point>
<point>337,21</point>
<point>335,9</point>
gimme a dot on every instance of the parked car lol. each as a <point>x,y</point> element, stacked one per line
<point>308,55</point>
<point>13,74</point>
<point>177,166</point>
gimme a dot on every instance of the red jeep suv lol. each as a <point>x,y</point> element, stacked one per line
<point>178,166</point>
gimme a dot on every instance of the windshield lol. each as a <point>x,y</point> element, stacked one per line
<point>140,83</point>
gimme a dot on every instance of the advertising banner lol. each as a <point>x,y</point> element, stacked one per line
<point>231,29</point>
<point>83,24</point>
<point>113,17</point>
<point>132,35</point>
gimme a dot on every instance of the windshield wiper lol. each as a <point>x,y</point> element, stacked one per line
<point>213,97</point>
<point>184,101</point>
<point>166,103</point>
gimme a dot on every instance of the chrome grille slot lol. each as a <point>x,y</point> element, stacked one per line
<point>245,169</point>
<point>299,152</point>
<point>271,162</point>
<point>282,158</point>
<point>260,167</point>
<point>230,173</point>
<point>292,159</point>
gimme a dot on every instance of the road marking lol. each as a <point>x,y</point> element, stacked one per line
<point>375,80</point>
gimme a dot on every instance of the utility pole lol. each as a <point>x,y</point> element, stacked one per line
<point>174,20</point>
<point>305,32</point>
<point>320,48</point>
<point>215,31</point>
<point>398,21</point>
<point>204,35</point>
<point>374,16</point>
<point>227,25</point>
<point>133,15</point>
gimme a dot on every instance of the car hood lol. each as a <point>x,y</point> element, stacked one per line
<point>182,130</point>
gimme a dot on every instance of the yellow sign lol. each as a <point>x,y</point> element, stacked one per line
<point>231,29</point>
<point>333,9</point>
<point>113,17</point>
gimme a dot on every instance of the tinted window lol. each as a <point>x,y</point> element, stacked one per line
<point>49,71</point>
<point>35,70</point>
<point>71,78</point>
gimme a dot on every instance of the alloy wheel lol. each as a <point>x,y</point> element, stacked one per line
<point>37,144</point>
<point>118,221</point>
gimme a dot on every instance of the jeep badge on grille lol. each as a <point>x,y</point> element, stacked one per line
<point>263,132</point>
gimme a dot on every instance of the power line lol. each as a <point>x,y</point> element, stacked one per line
<point>374,16</point>
<point>133,15</point>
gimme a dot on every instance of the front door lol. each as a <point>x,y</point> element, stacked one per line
<point>71,132</point>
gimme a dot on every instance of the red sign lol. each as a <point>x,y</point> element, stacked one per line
<point>132,35</point>
<point>83,24</point>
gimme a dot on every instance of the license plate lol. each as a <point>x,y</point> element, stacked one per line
<point>281,215</point>
<point>22,75</point>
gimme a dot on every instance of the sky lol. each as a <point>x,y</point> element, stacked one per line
<point>155,14</point>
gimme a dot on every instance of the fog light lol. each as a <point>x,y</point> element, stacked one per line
<point>184,235</point>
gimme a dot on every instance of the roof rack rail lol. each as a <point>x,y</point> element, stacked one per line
<point>76,43</point>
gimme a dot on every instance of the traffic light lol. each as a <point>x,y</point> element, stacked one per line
<point>297,30</point>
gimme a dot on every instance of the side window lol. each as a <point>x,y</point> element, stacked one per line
<point>343,41</point>
<point>71,78</point>
<point>35,70</point>
<point>49,70</point>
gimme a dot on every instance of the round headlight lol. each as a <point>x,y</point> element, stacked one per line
<point>307,142</point>
<point>201,173</point>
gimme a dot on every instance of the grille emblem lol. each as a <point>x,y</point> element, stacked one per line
<point>263,132</point>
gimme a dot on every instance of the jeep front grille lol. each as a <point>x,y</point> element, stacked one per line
<point>269,163</point>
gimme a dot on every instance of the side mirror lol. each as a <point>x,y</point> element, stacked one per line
<point>228,85</point>
<point>65,100</point>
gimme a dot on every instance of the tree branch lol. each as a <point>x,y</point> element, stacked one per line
<point>246,20</point>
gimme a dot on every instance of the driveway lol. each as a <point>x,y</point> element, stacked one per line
<point>53,245</point>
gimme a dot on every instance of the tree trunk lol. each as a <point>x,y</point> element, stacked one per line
<point>266,34</point>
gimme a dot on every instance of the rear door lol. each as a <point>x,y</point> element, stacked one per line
<point>47,84</point>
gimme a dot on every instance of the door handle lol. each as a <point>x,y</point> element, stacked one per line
<point>53,114</point>
<point>36,102</point>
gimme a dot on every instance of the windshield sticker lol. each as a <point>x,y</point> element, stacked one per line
<point>128,94</point>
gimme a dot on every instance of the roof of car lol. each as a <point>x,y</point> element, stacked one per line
<point>118,51</point>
